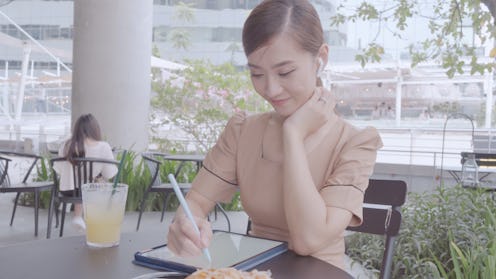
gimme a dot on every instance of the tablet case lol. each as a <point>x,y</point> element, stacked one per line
<point>141,257</point>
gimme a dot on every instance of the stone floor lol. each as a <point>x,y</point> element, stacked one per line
<point>23,228</point>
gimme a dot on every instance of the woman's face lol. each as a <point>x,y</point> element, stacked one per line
<point>283,73</point>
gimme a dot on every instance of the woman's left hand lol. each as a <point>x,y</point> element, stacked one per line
<point>311,115</point>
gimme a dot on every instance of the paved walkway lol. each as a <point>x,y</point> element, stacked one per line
<point>23,228</point>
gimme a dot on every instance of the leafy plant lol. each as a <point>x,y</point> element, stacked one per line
<point>235,204</point>
<point>473,262</point>
<point>43,173</point>
<point>180,37</point>
<point>446,20</point>
<point>423,244</point>
<point>136,176</point>
<point>201,100</point>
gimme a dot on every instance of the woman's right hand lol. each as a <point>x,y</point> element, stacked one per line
<point>184,241</point>
<point>311,115</point>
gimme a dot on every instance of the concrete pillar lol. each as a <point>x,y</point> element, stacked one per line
<point>111,68</point>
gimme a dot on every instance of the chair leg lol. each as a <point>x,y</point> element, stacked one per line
<point>225,215</point>
<point>387,261</point>
<point>64,206</point>
<point>50,216</point>
<point>36,207</point>
<point>57,212</point>
<point>14,209</point>
<point>166,203</point>
<point>142,206</point>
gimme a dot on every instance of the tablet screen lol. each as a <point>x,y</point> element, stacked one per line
<point>226,249</point>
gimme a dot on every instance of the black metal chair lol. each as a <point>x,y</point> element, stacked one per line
<point>382,216</point>
<point>153,161</point>
<point>24,186</point>
<point>4,166</point>
<point>82,173</point>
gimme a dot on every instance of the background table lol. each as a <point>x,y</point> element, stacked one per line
<point>183,158</point>
<point>484,172</point>
<point>69,257</point>
<point>198,160</point>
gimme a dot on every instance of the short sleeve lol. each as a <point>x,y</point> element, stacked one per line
<point>346,185</point>
<point>217,179</point>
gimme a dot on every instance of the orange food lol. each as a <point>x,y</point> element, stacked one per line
<point>229,273</point>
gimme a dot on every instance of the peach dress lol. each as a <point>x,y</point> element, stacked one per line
<point>248,157</point>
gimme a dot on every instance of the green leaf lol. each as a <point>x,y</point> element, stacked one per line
<point>446,20</point>
<point>367,11</point>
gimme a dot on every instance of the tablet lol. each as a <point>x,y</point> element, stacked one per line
<point>226,248</point>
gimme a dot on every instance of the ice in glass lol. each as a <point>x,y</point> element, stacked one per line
<point>104,208</point>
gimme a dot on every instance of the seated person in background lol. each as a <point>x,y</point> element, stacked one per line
<point>301,169</point>
<point>86,141</point>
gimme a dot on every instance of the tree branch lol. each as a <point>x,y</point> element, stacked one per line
<point>491,5</point>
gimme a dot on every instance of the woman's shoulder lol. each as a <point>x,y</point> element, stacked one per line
<point>243,125</point>
<point>361,136</point>
<point>242,119</point>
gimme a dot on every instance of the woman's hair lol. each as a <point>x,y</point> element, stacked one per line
<point>85,127</point>
<point>298,18</point>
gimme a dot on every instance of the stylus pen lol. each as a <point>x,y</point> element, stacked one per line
<point>186,209</point>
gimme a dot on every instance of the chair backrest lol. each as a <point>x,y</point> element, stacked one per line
<point>4,172</point>
<point>82,169</point>
<point>153,165</point>
<point>27,156</point>
<point>382,215</point>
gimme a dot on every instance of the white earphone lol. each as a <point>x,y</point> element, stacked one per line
<point>321,67</point>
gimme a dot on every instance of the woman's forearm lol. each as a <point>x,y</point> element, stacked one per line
<point>199,205</point>
<point>306,212</point>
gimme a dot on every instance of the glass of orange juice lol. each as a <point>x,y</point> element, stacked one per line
<point>103,207</point>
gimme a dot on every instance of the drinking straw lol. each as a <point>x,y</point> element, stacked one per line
<point>117,176</point>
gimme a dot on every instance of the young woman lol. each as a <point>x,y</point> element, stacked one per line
<point>86,141</point>
<point>301,170</point>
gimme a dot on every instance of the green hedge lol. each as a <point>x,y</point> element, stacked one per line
<point>446,234</point>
